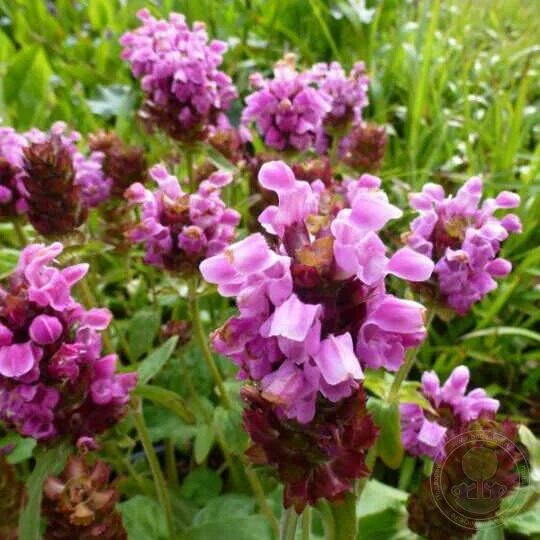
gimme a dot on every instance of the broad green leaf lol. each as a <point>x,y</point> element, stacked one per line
<point>166,399</point>
<point>201,485</point>
<point>377,497</point>
<point>228,422</point>
<point>489,531</point>
<point>142,331</point>
<point>203,442</point>
<point>163,424</point>
<point>390,524</point>
<point>113,100</point>
<point>22,447</point>
<point>155,361</point>
<point>143,519</point>
<point>388,445</point>
<point>224,507</point>
<point>533,447</point>
<point>48,462</point>
<point>27,85</point>
<point>100,13</point>
<point>234,528</point>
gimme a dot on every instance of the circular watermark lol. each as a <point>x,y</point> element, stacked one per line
<point>479,470</point>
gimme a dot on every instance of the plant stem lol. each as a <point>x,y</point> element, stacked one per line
<point>203,344</point>
<point>170,462</point>
<point>188,153</point>
<point>153,462</point>
<point>258,491</point>
<point>406,367</point>
<point>306,523</point>
<point>345,519</point>
<point>288,524</point>
<point>19,232</point>
<point>328,520</point>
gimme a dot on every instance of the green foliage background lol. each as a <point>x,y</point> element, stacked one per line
<point>457,83</point>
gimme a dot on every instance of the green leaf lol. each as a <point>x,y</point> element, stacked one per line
<point>203,442</point>
<point>100,13</point>
<point>27,85</point>
<point>532,444</point>
<point>225,507</point>
<point>113,100</point>
<point>166,399</point>
<point>142,331</point>
<point>388,445</point>
<point>503,331</point>
<point>233,528</point>
<point>143,519</point>
<point>22,447</point>
<point>155,361</point>
<point>201,485</point>
<point>163,424</point>
<point>228,423</point>
<point>489,531</point>
<point>48,462</point>
<point>377,497</point>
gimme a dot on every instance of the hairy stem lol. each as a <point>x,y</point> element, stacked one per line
<point>203,345</point>
<point>287,528</point>
<point>153,462</point>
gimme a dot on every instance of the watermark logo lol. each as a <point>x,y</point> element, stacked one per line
<point>478,471</point>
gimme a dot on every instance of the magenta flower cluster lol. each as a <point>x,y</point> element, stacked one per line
<point>179,229</point>
<point>299,110</point>
<point>11,145</point>
<point>424,433</point>
<point>313,306</point>
<point>178,70</point>
<point>89,176</point>
<point>53,379</point>
<point>464,239</point>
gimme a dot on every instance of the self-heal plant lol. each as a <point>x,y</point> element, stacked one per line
<point>464,239</point>
<point>313,307</point>
<point>179,229</point>
<point>54,381</point>
<point>178,68</point>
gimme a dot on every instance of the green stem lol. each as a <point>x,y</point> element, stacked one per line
<point>328,520</point>
<point>203,344</point>
<point>153,462</point>
<point>306,523</point>
<point>170,462</point>
<point>288,524</point>
<point>188,153</point>
<point>258,491</point>
<point>406,367</point>
<point>345,520</point>
<point>19,232</point>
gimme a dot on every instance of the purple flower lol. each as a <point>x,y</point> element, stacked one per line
<point>464,239</point>
<point>288,110</point>
<point>11,198</point>
<point>179,229</point>
<point>50,353</point>
<point>312,308</point>
<point>178,71</point>
<point>423,432</point>
<point>89,175</point>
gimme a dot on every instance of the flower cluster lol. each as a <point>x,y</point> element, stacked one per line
<point>179,229</point>
<point>81,503</point>
<point>288,110</point>
<point>316,460</point>
<point>363,147</point>
<point>480,470</point>
<point>11,146</point>
<point>178,70</point>
<point>313,309</point>
<point>463,239</point>
<point>424,433</point>
<point>53,379</point>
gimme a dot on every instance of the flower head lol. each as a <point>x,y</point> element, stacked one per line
<point>287,110</point>
<point>180,229</point>
<point>81,503</point>
<point>179,72</point>
<point>425,432</point>
<point>363,147</point>
<point>313,307</point>
<point>11,153</point>
<point>464,239</point>
<point>53,379</point>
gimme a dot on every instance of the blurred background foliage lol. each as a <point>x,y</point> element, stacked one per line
<point>456,82</point>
